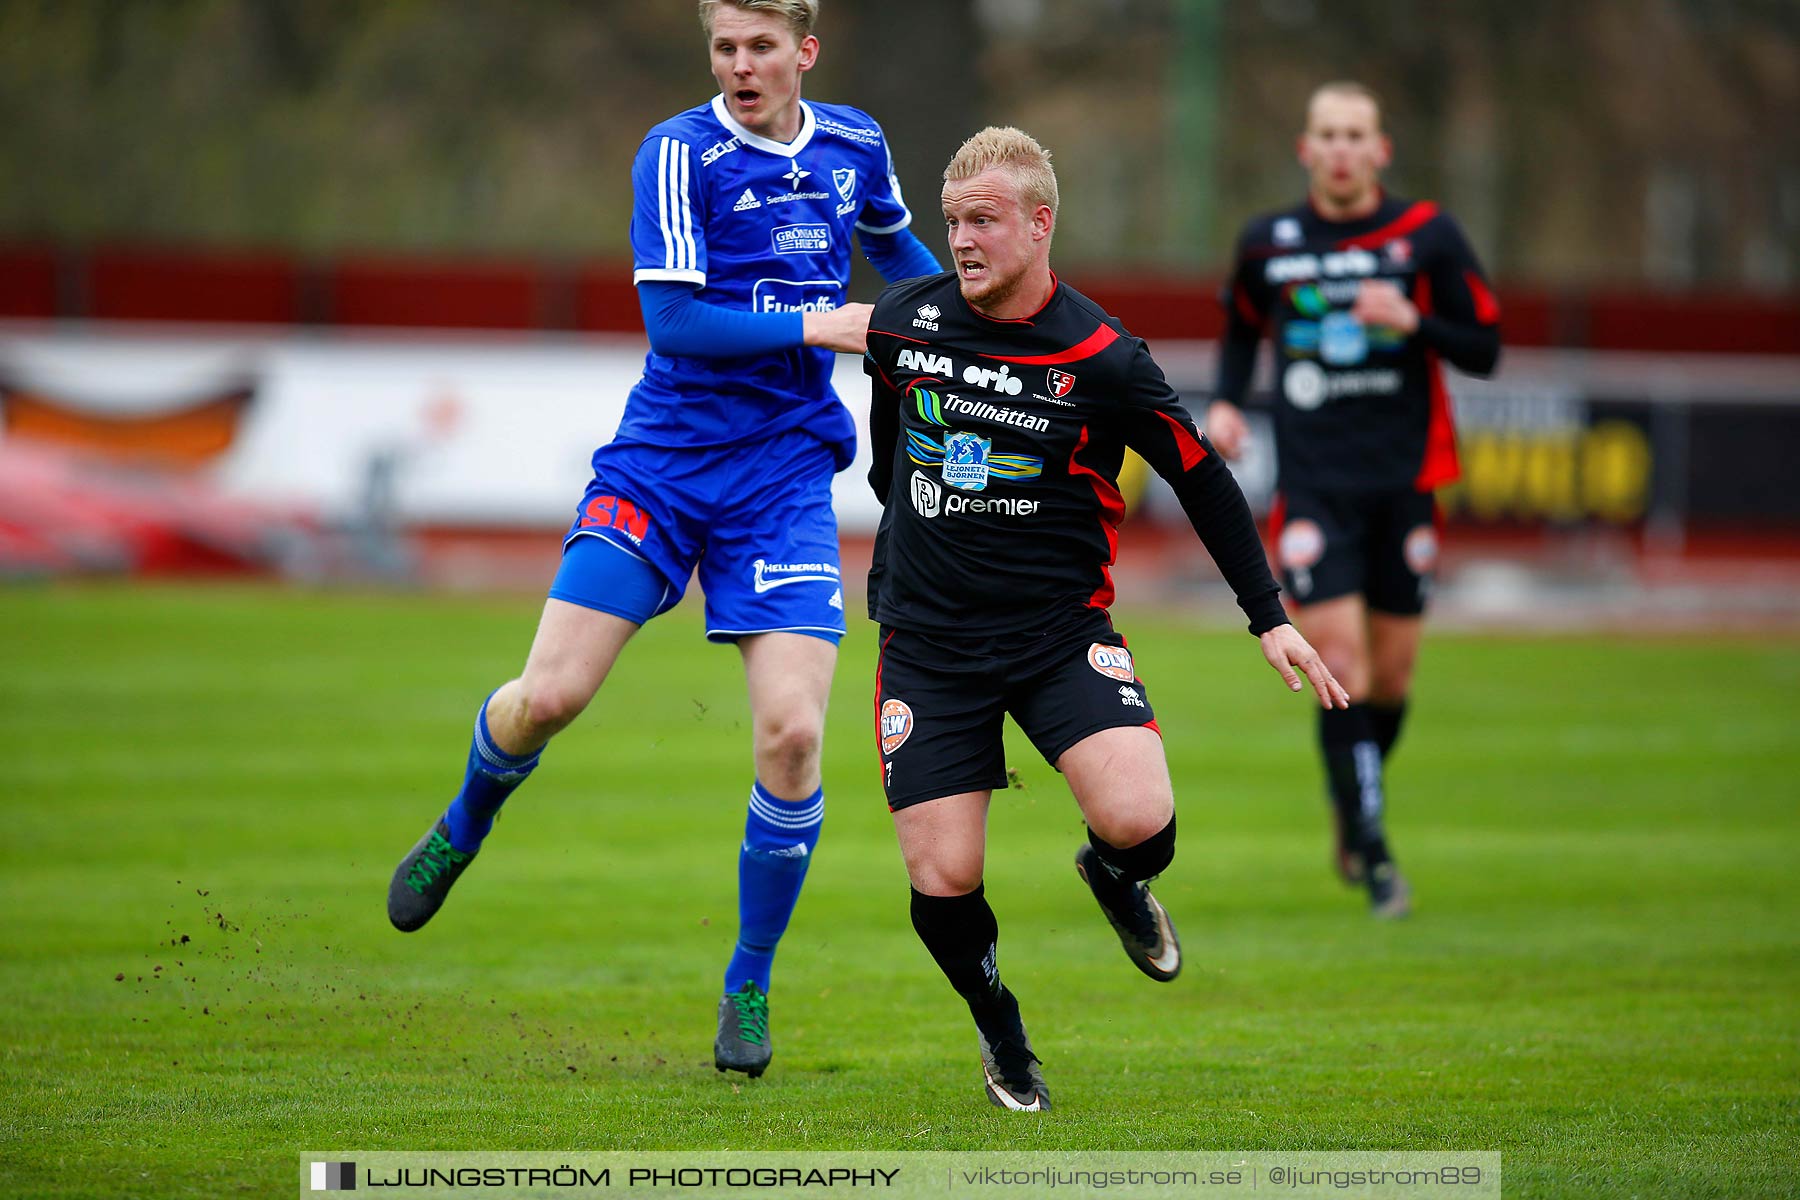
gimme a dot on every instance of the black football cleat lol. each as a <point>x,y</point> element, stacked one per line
<point>743,1040</point>
<point>1389,896</point>
<point>1142,924</point>
<point>1009,1070</point>
<point>424,878</point>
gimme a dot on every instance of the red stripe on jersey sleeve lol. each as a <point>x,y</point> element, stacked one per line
<point>1112,511</point>
<point>901,336</point>
<point>1192,452</point>
<point>1487,308</point>
<point>1087,347</point>
<point>1440,464</point>
<point>1400,226</point>
<point>1246,309</point>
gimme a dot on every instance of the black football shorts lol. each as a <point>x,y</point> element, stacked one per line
<point>1381,545</point>
<point>940,701</point>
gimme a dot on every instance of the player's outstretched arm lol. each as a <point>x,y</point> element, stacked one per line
<point>844,328</point>
<point>1293,656</point>
<point>1158,427</point>
<point>681,325</point>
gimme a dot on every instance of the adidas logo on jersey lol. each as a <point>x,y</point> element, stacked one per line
<point>746,202</point>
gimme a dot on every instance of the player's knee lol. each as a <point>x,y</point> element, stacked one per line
<point>1134,829</point>
<point>787,749</point>
<point>944,877</point>
<point>549,706</point>
<point>1140,857</point>
<point>1134,824</point>
<point>1389,685</point>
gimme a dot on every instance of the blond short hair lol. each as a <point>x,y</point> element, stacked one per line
<point>1344,87</point>
<point>800,15</point>
<point>1011,150</point>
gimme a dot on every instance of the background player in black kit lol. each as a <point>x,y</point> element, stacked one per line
<point>1363,295</point>
<point>1003,402</point>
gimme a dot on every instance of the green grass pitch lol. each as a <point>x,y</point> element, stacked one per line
<point>204,792</point>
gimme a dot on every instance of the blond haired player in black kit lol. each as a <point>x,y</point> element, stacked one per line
<point>1363,295</point>
<point>1003,401</point>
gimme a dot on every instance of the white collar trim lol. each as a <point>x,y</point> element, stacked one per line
<point>785,149</point>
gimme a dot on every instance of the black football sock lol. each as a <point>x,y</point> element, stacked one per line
<point>1385,720</point>
<point>963,936</point>
<point>1353,769</point>
<point>1134,864</point>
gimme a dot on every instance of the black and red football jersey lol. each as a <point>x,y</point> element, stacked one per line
<point>1358,408</point>
<point>997,448</point>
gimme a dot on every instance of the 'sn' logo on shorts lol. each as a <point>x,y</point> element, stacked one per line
<point>614,512</point>
<point>1114,662</point>
<point>896,725</point>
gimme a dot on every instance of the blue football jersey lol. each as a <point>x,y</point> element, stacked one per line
<point>760,225</point>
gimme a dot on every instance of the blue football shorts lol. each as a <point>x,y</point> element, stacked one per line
<point>755,520</point>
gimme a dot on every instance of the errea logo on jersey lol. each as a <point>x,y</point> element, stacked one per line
<point>927,318</point>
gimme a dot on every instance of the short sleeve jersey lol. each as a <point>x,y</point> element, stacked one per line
<point>762,226</point>
<point>1357,408</point>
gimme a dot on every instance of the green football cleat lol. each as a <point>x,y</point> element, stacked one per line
<point>743,1040</point>
<point>424,878</point>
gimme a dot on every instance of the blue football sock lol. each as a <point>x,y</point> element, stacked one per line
<point>779,838</point>
<point>488,780</point>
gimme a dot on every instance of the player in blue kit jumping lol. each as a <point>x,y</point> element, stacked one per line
<point>744,213</point>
